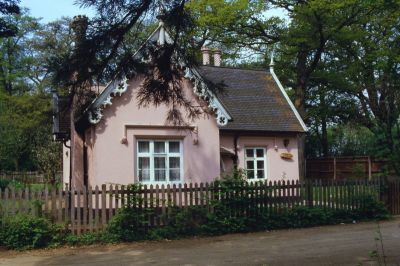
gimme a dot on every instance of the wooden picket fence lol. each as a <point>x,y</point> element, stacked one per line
<point>392,196</point>
<point>91,209</point>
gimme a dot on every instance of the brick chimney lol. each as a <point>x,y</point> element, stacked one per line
<point>206,55</point>
<point>217,57</point>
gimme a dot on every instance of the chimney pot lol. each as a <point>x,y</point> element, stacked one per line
<point>217,57</point>
<point>206,55</point>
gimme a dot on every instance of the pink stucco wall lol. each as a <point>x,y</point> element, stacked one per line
<point>110,161</point>
<point>277,168</point>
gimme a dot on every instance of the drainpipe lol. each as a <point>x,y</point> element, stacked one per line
<point>235,158</point>
<point>70,163</point>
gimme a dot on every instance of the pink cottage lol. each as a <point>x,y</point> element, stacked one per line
<point>254,126</point>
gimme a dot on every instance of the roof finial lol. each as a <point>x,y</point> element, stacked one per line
<point>272,63</point>
<point>161,11</point>
<point>160,17</point>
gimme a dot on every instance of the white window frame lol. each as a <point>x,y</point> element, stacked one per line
<point>255,159</point>
<point>152,155</point>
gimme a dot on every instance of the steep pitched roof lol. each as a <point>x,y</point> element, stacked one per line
<point>254,99</point>
<point>94,114</point>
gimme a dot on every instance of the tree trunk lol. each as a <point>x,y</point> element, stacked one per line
<point>324,135</point>
<point>324,139</point>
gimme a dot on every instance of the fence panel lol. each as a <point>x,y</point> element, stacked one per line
<point>393,196</point>
<point>91,209</point>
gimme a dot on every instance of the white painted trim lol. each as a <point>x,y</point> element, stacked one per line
<point>152,155</point>
<point>255,159</point>
<point>303,125</point>
<point>201,89</point>
<point>161,35</point>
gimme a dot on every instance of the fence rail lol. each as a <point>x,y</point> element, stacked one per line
<point>91,209</point>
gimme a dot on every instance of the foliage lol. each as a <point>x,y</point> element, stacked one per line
<point>8,7</point>
<point>4,183</point>
<point>182,223</point>
<point>15,59</point>
<point>224,215</point>
<point>26,232</point>
<point>22,120</point>
<point>88,239</point>
<point>227,216</point>
<point>16,185</point>
<point>48,157</point>
<point>105,49</point>
<point>25,113</point>
<point>130,223</point>
<point>338,58</point>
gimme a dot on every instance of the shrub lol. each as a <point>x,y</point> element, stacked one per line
<point>16,185</point>
<point>373,209</point>
<point>90,238</point>
<point>26,232</point>
<point>130,223</point>
<point>4,183</point>
<point>188,221</point>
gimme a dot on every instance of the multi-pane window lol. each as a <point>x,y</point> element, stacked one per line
<point>159,161</point>
<point>255,159</point>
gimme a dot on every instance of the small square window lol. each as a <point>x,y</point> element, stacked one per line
<point>144,162</point>
<point>250,165</point>
<point>174,162</point>
<point>159,175</point>
<point>250,174</point>
<point>159,147</point>
<point>249,153</point>
<point>260,174</point>
<point>174,147</point>
<point>144,175</point>
<point>159,162</point>
<point>144,146</point>
<point>174,175</point>
<point>255,163</point>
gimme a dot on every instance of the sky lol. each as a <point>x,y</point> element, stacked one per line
<point>50,10</point>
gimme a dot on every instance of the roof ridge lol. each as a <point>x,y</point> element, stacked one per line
<point>237,68</point>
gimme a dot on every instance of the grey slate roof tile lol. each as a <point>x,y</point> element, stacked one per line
<point>253,99</point>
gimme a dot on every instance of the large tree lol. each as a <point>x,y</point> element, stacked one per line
<point>7,8</point>
<point>25,111</point>
<point>15,61</point>
<point>103,51</point>
<point>372,72</point>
